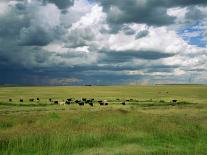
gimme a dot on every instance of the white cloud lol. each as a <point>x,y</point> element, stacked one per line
<point>3,8</point>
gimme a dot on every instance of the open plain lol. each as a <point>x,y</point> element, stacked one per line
<point>149,122</point>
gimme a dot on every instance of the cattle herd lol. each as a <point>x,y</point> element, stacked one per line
<point>80,102</point>
<point>83,101</point>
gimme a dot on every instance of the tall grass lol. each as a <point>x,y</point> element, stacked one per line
<point>108,131</point>
<point>150,124</point>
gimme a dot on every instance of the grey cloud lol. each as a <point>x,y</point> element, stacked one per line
<point>153,12</point>
<point>127,30</point>
<point>79,37</point>
<point>62,4</point>
<point>142,34</point>
<point>124,56</point>
<point>34,36</point>
<point>194,14</point>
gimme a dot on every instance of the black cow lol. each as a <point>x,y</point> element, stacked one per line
<point>91,104</point>
<point>69,99</point>
<point>31,100</point>
<point>84,99</point>
<point>106,104</point>
<point>50,99</point>
<point>123,103</point>
<point>10,100</point>
<point>101,103</point>
<point>67,102</point>
<point>81,103</point>
<point>21,100</point>
<point>38,99</point>
<point>89,100</point>
<point>56,102</point>
<point>174,101</point>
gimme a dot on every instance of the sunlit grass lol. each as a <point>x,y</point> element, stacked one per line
<point>141,127</point>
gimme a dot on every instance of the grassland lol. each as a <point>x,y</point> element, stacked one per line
<point>150,124</point>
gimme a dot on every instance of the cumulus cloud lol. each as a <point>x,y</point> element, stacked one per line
<point>103,42</point>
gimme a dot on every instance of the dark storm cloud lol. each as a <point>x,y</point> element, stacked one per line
<point>125,56</point>
<point>21,26</point>
<point>150,12</point>
<point>27,28</point>
<point>35,36</point>
<point>62,4</point>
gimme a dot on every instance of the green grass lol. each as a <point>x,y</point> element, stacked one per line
<point>150,124</point>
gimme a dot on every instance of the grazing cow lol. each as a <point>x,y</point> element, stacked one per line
<point>50,99</point>
<point>105,102</point>
<point>100,102</point>
<point>91,104</point>
<point>77,101</point>
<point>81,103</point>
<point>127,100</point>
<point>84,99</point>
<point>56,102</point>
<point>123,103</point>
<point>174,101</point>
<point>92,99</point>
<point>10,100</point>
<point>21,100</point>
<point>117,99</point>
<point>67,102</point>
<point>38,99</point>
<point>61,103</point>
<point>69,99</point>
<point>31,100</point>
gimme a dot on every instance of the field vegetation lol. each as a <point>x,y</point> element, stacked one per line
<point>149,123</point>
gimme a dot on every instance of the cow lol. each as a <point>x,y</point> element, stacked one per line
<point>69,99</point>
<point>10,100</point>
<point>50,99</point>
<point>84,99</point>
<point>91,104</point>
<point>31,100</point>
<point>21,100</point>
<point>174,101</point>
<point>56,102</point>
<point>101,102</point>
<point>61,103</point>
<point>123,103</point>
<point>81,103</point>
<point>127,100</point>
<point>77,101</point>
<point>38,99</point>
<point>67,102</point>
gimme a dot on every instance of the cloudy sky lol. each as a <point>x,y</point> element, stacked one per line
<point>103,42</point>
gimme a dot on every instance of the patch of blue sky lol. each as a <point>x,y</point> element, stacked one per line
<point>193,34</point>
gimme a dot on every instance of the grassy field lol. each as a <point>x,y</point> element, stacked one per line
<point>149,124</point>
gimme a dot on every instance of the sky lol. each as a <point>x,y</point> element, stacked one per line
<point>103,42</point>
